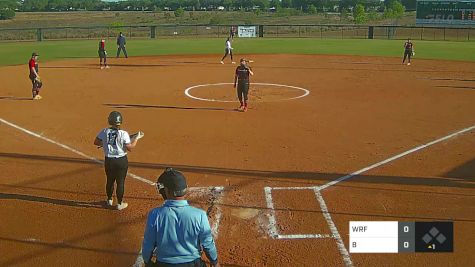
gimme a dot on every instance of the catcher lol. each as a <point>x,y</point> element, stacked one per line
<point>115,143</point>
<point>241,79</point>
<point>34,76</point>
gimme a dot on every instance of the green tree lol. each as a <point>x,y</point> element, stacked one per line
<point>312,9</point>
<point>398,9</point>
<point>359,14</point>
<point>180,12</point>
<point>286,3</point>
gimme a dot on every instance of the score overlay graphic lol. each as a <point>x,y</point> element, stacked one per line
<point>400,237</point>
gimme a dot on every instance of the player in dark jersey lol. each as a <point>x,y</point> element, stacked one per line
<point>408,51</point>
<point>241,79</point>
<point>102,53</point>
<point>34,76</point>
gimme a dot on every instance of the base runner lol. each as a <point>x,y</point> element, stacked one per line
<point>241,79</point>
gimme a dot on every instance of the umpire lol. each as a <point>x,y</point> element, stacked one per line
<point>121,44</point>
<point>176,232</point>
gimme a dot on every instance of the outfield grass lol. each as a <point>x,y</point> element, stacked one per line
<point>19,53</point>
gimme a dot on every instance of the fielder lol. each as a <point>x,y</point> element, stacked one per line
<point>34,76</point>
<point>228,50</point>
<point>115,143</point>
<point>243,71</point>
<point>102,53</point>
<point>408,51</point>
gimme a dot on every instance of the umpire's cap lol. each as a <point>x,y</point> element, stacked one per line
<point>115,118</point>
<point>34,54</point>
<point>174,180</point>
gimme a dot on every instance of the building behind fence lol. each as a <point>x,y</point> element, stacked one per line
<point>217,31</point>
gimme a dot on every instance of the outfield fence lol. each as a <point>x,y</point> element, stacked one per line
<point>217,31</point>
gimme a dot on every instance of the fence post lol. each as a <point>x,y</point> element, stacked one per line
<point>261,30</point>
<point>422,31</point>
<point>39,35</point>
<point>299,31</point>
<point>370,32</point>
<point>152,31</point>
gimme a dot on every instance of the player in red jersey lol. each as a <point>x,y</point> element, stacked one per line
<point>102,53</point>
<point>241,79</point>
<point>408,51</point>
<point>34,76</point>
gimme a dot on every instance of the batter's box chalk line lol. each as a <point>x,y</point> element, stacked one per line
<point>273,224</point>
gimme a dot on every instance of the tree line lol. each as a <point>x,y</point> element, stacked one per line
<point>310,6</point>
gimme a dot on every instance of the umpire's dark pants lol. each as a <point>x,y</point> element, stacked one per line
<point>242,90</point>
<point>121,47</point>
<point>116,171</point>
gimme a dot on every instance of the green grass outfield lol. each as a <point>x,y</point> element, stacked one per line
<point>20,52</point>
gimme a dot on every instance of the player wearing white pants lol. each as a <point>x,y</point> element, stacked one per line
<point>228,50</point>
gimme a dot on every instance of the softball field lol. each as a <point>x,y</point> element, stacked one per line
<point>327,140</point>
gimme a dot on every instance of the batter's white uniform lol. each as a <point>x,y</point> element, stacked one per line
<point>113,142</point>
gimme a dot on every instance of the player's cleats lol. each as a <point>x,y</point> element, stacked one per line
<point>37,97</point>
<point>102,67</point>
<point>240,108</point>
<point>409,64</point>
<point>122,206</point>
<point>244,109</point>
<point>233,62</point>
<point>107,67</point>
<point>222,62</point>
<point>109,202</point>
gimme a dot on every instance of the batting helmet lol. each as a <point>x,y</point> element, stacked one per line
<point>115,118</point>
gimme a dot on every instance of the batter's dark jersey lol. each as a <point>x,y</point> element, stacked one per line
<point>408,45</point>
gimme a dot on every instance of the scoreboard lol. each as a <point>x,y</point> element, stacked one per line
<point>400,237</point>
<point>445,12</point>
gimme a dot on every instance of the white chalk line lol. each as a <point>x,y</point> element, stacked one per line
<point>378,164</point>
<point>220,189</point>
<point>272,227</point>
<point>393,158</point>
<point>188,94</point>
<point>341,245</point>
<point>304,236</point>
<point>326,214</point>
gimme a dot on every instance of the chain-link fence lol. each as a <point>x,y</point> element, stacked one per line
<point>271,31</point>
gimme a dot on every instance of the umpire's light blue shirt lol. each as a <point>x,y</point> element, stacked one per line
<point>178,231</point>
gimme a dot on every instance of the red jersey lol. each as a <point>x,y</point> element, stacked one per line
<point>102,45</point>
<point>32,64</point>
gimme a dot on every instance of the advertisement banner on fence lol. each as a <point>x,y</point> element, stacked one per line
<point>247,31</point>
